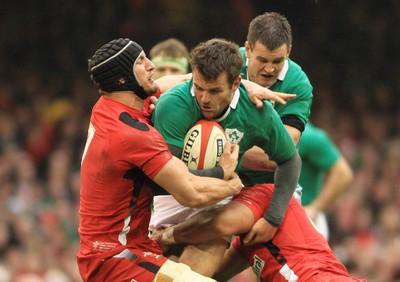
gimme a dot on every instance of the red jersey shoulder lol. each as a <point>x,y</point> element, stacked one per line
<point>134,122</point>
<point>143,133</point>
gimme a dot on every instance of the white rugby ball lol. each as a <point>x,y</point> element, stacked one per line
<point>203,145</point>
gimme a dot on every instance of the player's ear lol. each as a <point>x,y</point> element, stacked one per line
<point>289,50</point>
<point>236,83</point>
<point>247,48</point>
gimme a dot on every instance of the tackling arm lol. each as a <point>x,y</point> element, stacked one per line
<point>286,178</point>
<point>194,191</point>
<point>168,81</point>
<point>224,170</point>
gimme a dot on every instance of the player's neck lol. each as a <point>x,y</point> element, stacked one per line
<point>127,98</point>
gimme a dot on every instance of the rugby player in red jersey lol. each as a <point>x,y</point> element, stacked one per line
<point>124,153</point>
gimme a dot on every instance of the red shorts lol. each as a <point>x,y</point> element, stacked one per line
<point>257,198</point>
<point>129,265</point>
<point>331,277</point>
<point>297,248</point>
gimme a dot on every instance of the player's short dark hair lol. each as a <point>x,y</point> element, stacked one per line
<point>112,67</point>
<point>271,29</point>
<point>215,56</point>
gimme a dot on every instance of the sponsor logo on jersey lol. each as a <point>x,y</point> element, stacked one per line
<point>258,265</point>
<point>234,135</point>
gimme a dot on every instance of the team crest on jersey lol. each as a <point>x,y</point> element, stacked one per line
<point>234,135</point>
<point>258,265</point>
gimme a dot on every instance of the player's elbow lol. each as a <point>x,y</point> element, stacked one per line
<point>347,173</point>
<point>348,176</point>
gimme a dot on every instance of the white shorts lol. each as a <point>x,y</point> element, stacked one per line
<point>322,224</point>
<point>298,192</point>
<point>167,211</point>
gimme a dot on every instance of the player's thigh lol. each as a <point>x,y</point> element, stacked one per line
<point>256,198</point>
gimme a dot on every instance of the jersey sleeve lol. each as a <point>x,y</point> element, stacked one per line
<point>317,148</point>
<point>297,83</point>
<point>279,144</point>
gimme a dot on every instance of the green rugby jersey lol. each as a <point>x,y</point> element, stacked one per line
<point>291,80</point>
<point>318,154</point>
<point>177,111</point>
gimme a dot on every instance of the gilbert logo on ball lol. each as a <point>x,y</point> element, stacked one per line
<point>203,145</point>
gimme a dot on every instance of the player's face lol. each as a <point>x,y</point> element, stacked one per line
<point>264,65</point>
<point>167,70</point>
<point>143,71</point>
<point>213,97</point>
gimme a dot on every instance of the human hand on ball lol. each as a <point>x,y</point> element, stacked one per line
<point>229,159</point>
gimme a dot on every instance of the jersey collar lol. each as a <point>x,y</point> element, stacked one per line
<point>284,70</point>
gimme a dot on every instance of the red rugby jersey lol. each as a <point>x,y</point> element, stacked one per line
<point>121,150</point>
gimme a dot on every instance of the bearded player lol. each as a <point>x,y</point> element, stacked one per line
<point>216,93</point>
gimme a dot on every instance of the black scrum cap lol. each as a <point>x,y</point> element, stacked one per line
<point>111,67</point>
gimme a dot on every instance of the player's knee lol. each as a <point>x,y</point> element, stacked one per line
<point>178,272</point>
<point>223,230</point>
<point>224,226</point>
<point>231,222</point>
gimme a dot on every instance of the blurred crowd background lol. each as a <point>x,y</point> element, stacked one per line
<point>349,49</point>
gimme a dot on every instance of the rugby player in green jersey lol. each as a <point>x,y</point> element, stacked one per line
<point>215,92</point>
<point>325,174</point>
<point>266,62</point>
